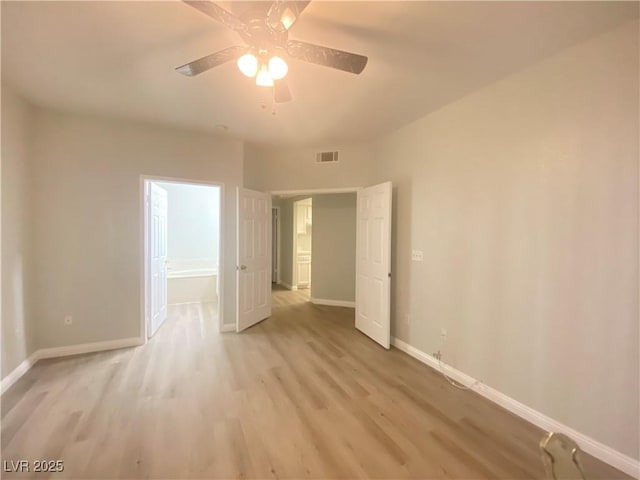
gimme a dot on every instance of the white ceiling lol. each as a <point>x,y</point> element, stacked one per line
<point>118,59</point>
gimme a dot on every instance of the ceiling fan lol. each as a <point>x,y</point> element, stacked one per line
<point>267,45</point>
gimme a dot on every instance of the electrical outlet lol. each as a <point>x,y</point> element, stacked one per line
<point>443,332</point>
<point>437,355</point>
<point>417,255</point>
<point>68,320</point>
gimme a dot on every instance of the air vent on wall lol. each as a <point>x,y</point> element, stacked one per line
<point>327,157</point>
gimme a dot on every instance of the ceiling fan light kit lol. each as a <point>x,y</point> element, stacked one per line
<point>265,72</point>
<point>265,37</point>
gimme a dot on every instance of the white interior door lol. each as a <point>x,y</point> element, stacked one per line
<point>157,249</point>
<point>373,265</point>
<point>254,258</point>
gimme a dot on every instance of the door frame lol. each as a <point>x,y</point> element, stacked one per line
<point>310,192</point>
<point>278,251</point>
<point>151,189</point>
<point>144,253</point>
<point>294,247</point>
<point>314,191</point>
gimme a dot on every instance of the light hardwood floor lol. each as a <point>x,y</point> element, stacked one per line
<point>300,395</point>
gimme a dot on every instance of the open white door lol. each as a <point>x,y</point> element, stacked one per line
<point>373,265</point>
<point>157,250</point>
<point>254,258</point>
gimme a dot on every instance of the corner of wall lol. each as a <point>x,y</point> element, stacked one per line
<point>19,333</point>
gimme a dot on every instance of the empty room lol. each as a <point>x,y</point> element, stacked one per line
<point>320,239</point>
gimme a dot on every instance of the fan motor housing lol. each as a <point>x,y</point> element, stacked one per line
<point>260,35</point>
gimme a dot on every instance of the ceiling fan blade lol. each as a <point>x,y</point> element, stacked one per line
<point>281,92</point>
<point>218,13</point>
<point>328,57</point>
<point>283,14</point>
<point>205,63</point>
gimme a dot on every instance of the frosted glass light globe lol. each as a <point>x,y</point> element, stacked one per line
<point>248,64</point>
<point>278,68</point>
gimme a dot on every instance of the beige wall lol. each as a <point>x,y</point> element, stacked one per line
<point>524,199</point>
<point>296,168</point>
<point>18,332</point>
<point>87,218</point>
<point>333,259</point>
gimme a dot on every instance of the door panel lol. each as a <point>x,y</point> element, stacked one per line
<point>304,270</point>
<point>254,258</point>
<point>158,256</point>
<point>373,266</point>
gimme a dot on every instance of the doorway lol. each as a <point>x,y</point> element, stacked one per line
<point>371,256</point>
<point>182,249</point>
<point>302,243</point>
<point>318,249</point>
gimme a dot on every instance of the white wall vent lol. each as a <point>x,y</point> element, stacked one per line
<point>327,157</point>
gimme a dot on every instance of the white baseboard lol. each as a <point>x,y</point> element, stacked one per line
<point>43,353</point>
<point>228,328</point>
<point>333,303</point>
<point>18,372</point>
<point>622,462</point>
<point>88,348</point>
<point>287,286</point>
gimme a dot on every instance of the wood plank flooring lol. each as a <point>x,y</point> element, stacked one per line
<point>300,395</point>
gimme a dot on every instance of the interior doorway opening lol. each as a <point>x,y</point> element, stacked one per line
<point>318,248</point>
<point>182,250</point>
<point>369,261</point>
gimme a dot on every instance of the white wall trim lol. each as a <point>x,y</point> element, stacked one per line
<point>287,286</point>
<point>228,328</point>
<point>333,303</point>
<point>314,191</point>
<point>294,246</point>
<point>278,241</point>
<point>88,348</point>
<point>43,353</point>
<point>628,465</point>
<point>18,372</point>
